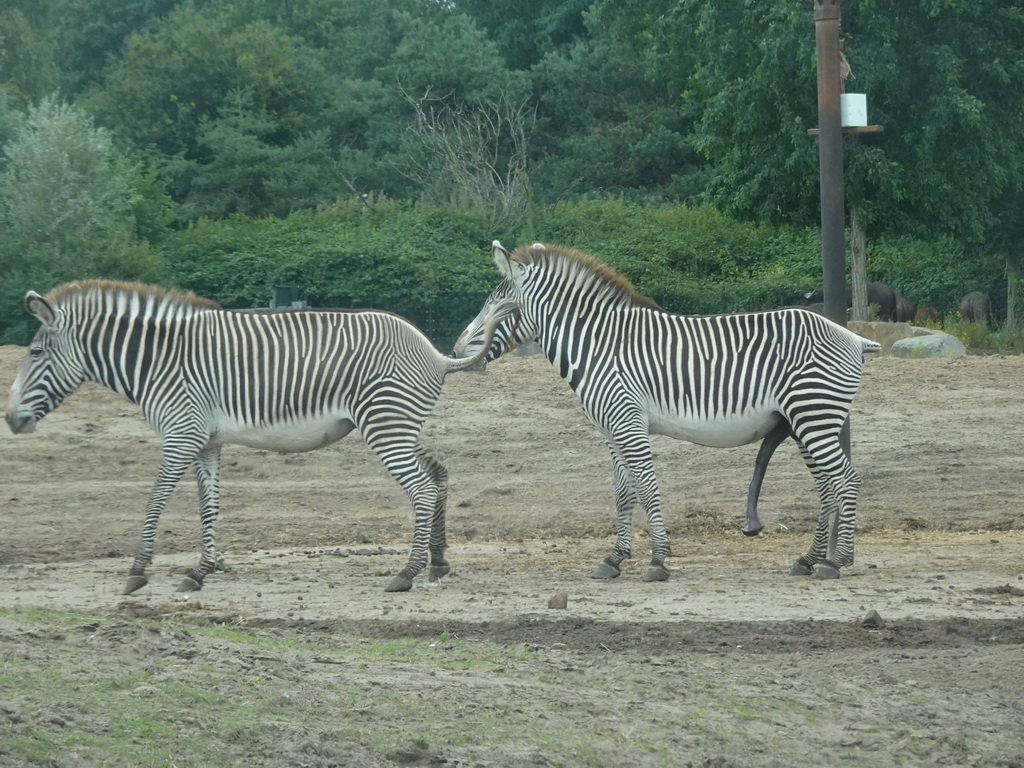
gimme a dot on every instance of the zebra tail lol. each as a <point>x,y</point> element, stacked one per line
<point>496,314</point>
<point>868,347</point>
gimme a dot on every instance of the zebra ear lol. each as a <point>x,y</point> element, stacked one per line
<point>502,259</point>
<point>40,308</point>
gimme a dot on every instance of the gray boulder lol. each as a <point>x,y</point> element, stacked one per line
<point>935,344</point>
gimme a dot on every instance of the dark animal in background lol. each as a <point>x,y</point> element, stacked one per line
<point>927,314</point>
<point>976,307</point>
<point>904,309</point>
<point>878,293</point>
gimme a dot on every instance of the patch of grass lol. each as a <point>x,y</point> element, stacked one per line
<point>83,690</point>
<point>978,337</point>
<point>127,693</point>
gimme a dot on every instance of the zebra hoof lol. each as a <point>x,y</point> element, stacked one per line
<point>399,584</point>
<point>134,583</point>
<point>439,571</point>
<point>656,573</point>
<point>188,584</point>
<point>751,531</point>
<point>799,569</point>
<point>606,570</point>
<point>826,571</point>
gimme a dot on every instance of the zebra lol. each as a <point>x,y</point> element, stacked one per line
<point>287,381</point>
<point>714,380</point>
<point>752,525</point>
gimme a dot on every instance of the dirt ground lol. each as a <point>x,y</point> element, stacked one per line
<point>310,540</point>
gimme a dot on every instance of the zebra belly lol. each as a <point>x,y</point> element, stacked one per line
<point>293,436</point>
<point>726,431</point>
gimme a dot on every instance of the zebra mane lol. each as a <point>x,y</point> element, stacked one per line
<point>106,293</point>
<point>575,263</point>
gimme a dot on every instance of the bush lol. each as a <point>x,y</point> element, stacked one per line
<point>427,264</point>
<point>937,273</point>
<point>432,265</point>
<point>692,260</point>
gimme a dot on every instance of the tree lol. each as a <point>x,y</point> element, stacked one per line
<point>66,202</point>
<point>936,75</point>
<point>28,68</point>
<point>527,30</point>
<point>93,34</point>
<point>169,80</point>
<point>245,172</point>
<point>744,74</point>
<point>464,115</point>
<point>604,127</point>
<point>474,158</point>
<point>62,182</point>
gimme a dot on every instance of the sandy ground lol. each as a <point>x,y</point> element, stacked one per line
<point>310,540</point>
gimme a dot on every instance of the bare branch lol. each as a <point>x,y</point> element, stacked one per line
<point>472,156</point>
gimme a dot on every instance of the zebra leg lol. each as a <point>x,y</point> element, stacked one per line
<point>804,566</point>
<point>837,485</point>
<point>438,536</point>
<point>171,470</point>
<point>846,488</point>
<point>772,440</point>
<point>207,466</point>
<point>635,449</point>
<point>405,461</point>
<point>625,501</point>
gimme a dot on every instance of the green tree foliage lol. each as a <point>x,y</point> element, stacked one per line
<point>465,122</point>
<point>171,79</point>
<point>244,171</point>
<point>603,127</point>
<point>66,206</point>
<point>93,34</point>
<point>938,75</point>
<point>243,110</point>
<point>28,67</point>
<point>745,73</point>
<point>527,30</point>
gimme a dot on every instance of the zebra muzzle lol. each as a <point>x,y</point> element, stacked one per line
<point>21,423</point>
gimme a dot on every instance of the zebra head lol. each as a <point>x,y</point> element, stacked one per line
<point>512,332</point>
<point>53,368</point>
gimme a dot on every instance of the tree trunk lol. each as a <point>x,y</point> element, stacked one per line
<point>858,264</point>
<point>1012,279</point>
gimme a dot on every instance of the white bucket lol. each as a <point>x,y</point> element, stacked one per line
<point>853,109</point>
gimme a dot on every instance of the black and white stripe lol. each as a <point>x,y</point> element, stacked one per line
<point>287,381</point>
<point>721,380</point>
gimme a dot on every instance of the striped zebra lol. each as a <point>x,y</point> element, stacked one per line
<point>288,381</point>
<point>720,381</point>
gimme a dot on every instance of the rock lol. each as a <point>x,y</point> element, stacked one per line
<point>934,344</point>
<point>559,600</point>
<point>905,340</point>
<point>872,621</point>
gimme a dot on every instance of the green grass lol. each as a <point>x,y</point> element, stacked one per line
<point>979,338</point>
<point>133,705</point>
<point>88,690</point>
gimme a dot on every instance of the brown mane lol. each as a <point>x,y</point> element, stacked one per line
<point>617,285</point>
<point>85,288</point>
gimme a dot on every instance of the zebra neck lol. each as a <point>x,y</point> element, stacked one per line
<point>124,353</point>
<point>569,350</point>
